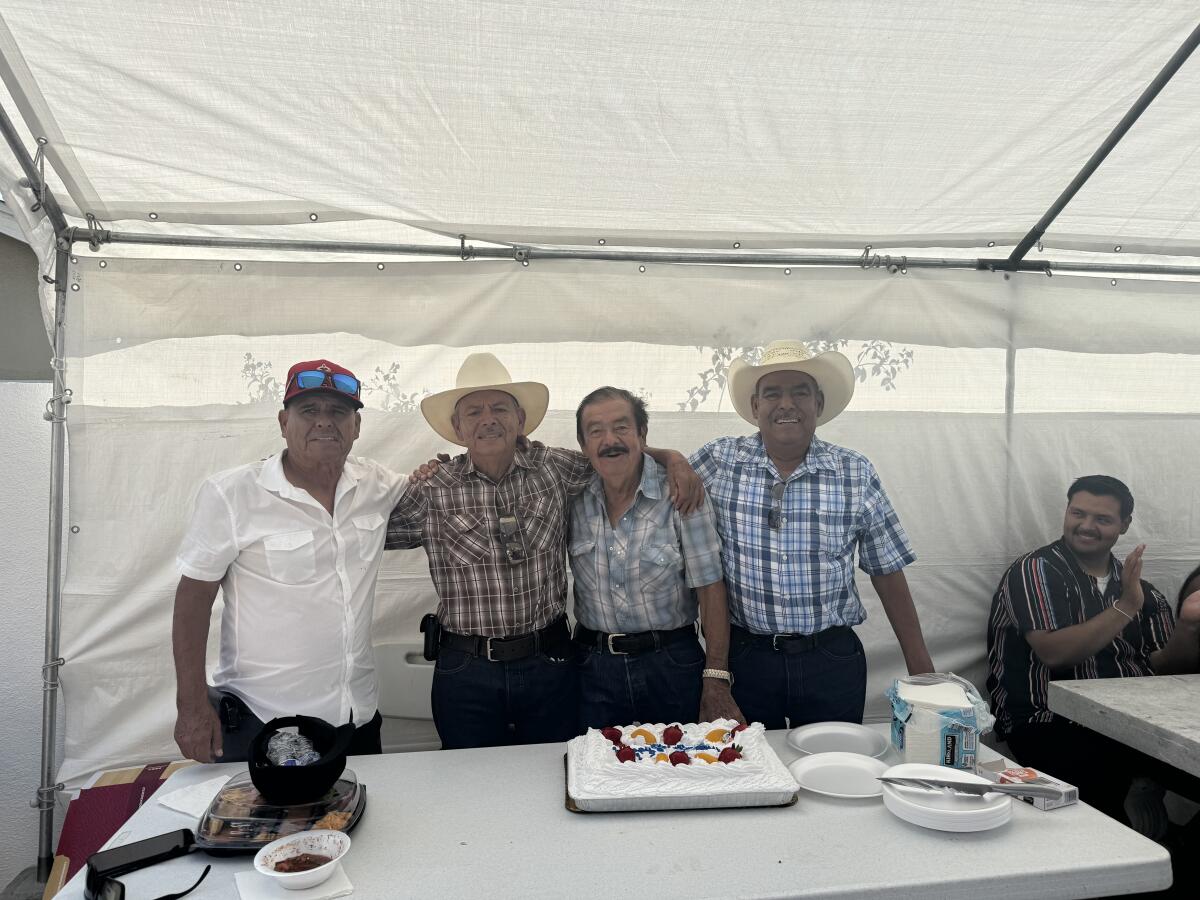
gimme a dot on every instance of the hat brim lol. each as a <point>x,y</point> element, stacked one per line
<point>532,396</point>
<point>304,392</point>
<point>831,370</point>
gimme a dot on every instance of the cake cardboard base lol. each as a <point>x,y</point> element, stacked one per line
<point>669,804</point>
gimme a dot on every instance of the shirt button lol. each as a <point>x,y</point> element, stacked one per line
<point>785,557</point>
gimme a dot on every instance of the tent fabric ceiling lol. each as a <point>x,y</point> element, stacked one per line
<point>770,124</point>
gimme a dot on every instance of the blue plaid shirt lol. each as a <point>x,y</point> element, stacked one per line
<point>638,576</point>
<point>799,578</point>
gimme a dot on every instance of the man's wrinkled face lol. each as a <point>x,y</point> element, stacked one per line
<point>786,406</point>
<point>611,439</point>
<point>319,428</point>
<point>488,423</point>
<point>1093,524</point>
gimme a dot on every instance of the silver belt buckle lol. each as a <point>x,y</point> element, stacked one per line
<point>775,641</point>
<point>489,651</point>
<point>613,650</point>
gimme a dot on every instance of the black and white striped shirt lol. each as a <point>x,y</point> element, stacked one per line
<point>1046,590</point>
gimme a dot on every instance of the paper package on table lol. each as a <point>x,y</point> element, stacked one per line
<point>938,719</point>
<point>998,770</point>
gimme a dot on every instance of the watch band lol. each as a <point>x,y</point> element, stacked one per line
<point>719,674</point>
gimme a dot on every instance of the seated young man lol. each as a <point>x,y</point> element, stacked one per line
<point>1072,610</point>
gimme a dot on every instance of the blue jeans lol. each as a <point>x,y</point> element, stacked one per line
<point>662,686</point>
<point>477,703</point>
<point>825,684</point>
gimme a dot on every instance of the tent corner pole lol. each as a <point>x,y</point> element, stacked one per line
<point>56,410</point>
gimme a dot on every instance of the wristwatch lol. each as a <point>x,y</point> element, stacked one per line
<point>719,674</point>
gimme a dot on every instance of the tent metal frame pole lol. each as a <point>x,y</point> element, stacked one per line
<point>1152,90</point>
<point>36,179</point>
<point>525,254</point>
<point>56,412</point>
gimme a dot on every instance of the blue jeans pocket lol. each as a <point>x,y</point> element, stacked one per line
<point>842,648</point>
<point>685,654</point>
<point>451,662</point>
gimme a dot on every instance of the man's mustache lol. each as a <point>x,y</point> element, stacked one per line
<point>613,451</point>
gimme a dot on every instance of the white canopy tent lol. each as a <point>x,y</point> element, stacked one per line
<point>639,193</point>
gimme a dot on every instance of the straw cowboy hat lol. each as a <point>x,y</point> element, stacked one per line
<point>483,372</point>
<point>831,370</point>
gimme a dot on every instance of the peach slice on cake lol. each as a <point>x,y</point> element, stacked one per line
<point>645,735</point>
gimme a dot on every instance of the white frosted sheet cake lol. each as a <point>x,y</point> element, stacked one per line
<point>723,768</point>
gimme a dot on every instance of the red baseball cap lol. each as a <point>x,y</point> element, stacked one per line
<point>323,375</point>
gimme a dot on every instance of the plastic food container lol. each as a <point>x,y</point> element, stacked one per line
<point>240,820</point>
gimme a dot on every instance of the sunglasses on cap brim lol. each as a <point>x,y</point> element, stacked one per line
<point>313,378</point>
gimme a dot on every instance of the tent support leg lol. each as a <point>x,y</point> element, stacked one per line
<point>56,410</point>
<point>1160,81</point>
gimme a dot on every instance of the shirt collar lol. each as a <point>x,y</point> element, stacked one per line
<point>1114,564</point>
<point>650,486</point>
<point>272,478</point>
<point>818,458</point>
<point>520,460</point>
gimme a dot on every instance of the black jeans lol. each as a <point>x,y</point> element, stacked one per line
<point>827,683</point>
<point>239,727</point>
<point>657,686</point>
<point>477,703</point>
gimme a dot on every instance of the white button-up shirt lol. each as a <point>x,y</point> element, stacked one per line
<point>299,586</point>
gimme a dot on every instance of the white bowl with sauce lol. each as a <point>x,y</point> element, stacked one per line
<point>320,842</point>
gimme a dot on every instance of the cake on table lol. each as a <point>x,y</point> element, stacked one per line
<point>692,766</point>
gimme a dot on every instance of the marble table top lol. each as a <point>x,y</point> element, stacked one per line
<point>1158,715</point>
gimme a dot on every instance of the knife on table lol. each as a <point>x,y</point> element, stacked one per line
<point>977,789</point>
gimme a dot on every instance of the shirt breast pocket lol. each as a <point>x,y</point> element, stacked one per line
<point>291,557</point>
<point>835,532</point>
<point>661,565</point>
<point>582,549</point>
<point>467,540</point>
<point>370,533</point>
<point>542,522</point>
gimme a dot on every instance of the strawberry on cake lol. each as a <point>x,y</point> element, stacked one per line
<point>692,766</point>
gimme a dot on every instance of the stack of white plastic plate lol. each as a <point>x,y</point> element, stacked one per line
<point>839,737</point>
<point>944,810</point>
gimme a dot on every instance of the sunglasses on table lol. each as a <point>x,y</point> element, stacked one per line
<point>314,378</point>
<point>775,514</point>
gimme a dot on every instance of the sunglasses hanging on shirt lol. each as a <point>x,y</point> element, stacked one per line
<point>775,515</point>
<point>511,540</point>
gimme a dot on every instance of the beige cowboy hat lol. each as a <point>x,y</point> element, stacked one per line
<point>831,370</point>
<point>483,372</point>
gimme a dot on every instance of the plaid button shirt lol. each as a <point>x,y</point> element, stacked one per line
<point>638,576</point>
<point>1046,590</point>
<point>799,578</point>
<point>455,516</point>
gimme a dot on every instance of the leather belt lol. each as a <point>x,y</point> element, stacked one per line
<point>790,643</point>
<point>512,648</point>
<point>629,644</point>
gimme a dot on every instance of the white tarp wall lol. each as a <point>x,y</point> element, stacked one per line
<point>667,124</point>
<point>164,395</point>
